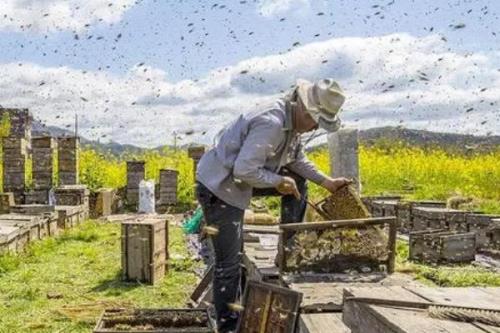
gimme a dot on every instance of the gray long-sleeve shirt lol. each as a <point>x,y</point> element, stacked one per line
<point>249,153</point>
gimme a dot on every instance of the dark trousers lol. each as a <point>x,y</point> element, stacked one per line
<point>228,243</point>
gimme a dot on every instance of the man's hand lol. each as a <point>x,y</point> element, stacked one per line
<point>334,184</point>
<point>288,186</point>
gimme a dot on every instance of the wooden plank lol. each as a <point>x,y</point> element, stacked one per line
<point>361,317</point>
<point>477,297</point>
<point>337,224</point>
<point>322,323</point>
<point>328,296</point>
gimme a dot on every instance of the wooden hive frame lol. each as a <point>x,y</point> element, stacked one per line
<point>287,231</point>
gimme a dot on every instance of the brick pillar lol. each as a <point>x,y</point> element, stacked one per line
<point>343,147</point>
<point>14,167</point>
<point>67,150</point>
<point>42,152</point>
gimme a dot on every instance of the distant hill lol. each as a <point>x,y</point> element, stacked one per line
<point>382,136</point>
<point>421,138</point>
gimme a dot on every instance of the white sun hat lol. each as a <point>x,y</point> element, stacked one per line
<point>322,101</point>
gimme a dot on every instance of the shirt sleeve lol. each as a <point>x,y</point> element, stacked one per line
<point>264,136</point>
<point>305,168</point>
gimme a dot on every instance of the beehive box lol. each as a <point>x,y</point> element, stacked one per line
<point>438,218</point>
<point>72,195</point>
<point>35,225</point>
<point>6,201</point>
<point>168,187</point>
<point>49,225</point>
<point>101,202</point>
<point>481,225</point>
<point>441,246</point>
<point>144,250</point>
<point>362,245</point>
<point>404,211</point>
<point>368,200</point>
<point>343,205</point>
<point>494,235</point>
<point>40,197</point>
<point>70,216</point>
<point>154,321</point>
<point>196,152</point>
<point>269,309</point>
<point>135,173</point>
<point>9,236</point>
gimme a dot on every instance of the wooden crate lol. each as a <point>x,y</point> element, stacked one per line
<point>144,250</point>
<point>69,216</point>
<point>196,152</point>
<point>101,202</point>
<point>8,238</point>
<point>269,309</point>
<point>68,143</point>
<point>342,261</point>
<point>168,187</point>
<point>6,201</point>
<point>154,321</point>
<point>481,224</point>
<point>37,197</point>
<point>43,142</point>
<point>438,218</point>
<point>440,246</point>
<point>35,225</point>
<point>404,211</point>
<point>72,195</point>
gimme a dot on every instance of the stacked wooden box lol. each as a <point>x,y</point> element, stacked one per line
<point>168,187</point>
<point>439,218</point>
<point>68,160</point>
<point>72,195</point>
<point>144,250</point>
<point>20,121</point>
<point>484,227</point>
<point>404,212</point>
<point>101,202</point>
<point>494,235</point>
<point>135,174</point>
<point>43,170</point>
<point>14,167</point>
<point>196,152</point>
<point>6,201</point>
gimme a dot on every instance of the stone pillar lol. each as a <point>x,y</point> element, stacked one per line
<point>67,150</point>
<point>14,167</point>
<point>196,152</point>
<point>135,174</point>
<point>168,187</point>
<point>42,152</point>
<point>343,148</point>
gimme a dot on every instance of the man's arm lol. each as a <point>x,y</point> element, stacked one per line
<point>262,139</point>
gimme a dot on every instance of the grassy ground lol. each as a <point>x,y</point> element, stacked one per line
<point>83,267</point>
<point>445,276</point>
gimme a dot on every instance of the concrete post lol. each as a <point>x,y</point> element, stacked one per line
<point>343,149</point>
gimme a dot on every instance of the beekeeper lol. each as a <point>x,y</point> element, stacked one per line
<point>260,153</point>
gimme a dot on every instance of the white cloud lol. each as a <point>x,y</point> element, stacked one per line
<point>50,15</point>
<point>274,7</point>
<point>389,80</point>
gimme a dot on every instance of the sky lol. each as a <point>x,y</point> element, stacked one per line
<point>142,72</point>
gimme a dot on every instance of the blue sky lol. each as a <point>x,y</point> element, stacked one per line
<point>168,52</point>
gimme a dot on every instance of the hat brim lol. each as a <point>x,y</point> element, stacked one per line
<point>305,93</point>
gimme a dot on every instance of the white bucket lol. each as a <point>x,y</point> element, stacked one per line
<point>147,197</point>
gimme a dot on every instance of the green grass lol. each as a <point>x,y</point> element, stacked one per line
<point>83,265</point>
<point>445,276</point>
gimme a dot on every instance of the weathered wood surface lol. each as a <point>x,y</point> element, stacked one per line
<point>260,262</point>
<point>327,295</point>
<point>322,323</point>
<point>363,317</point>
<point>342,205</point>
<point>473,296</point>
<point>438,246</point>
<point>251,232</point>
<point>144,250</point>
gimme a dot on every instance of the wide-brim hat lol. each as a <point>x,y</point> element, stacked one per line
<point>323,101</point>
